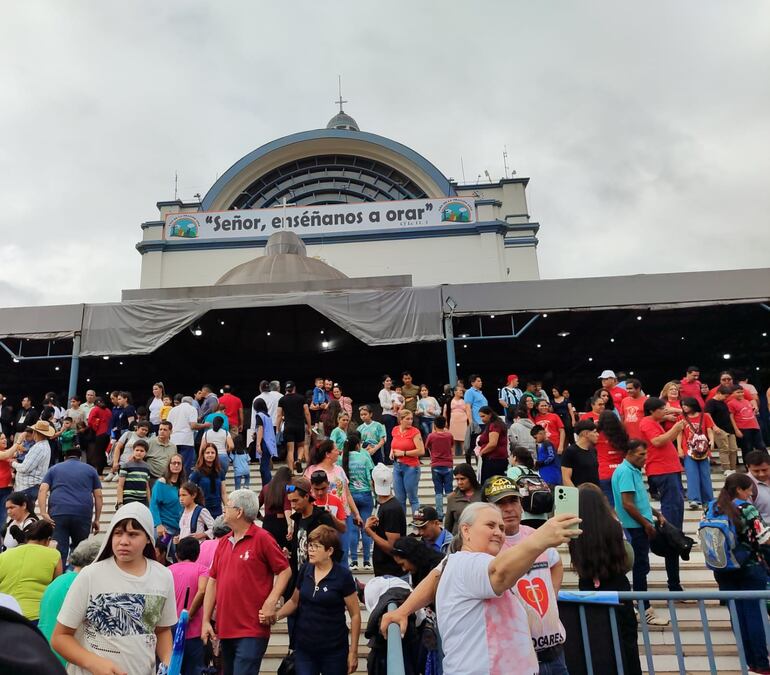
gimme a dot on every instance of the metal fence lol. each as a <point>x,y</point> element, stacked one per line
<point>585,601</point>
<point>612,600</point>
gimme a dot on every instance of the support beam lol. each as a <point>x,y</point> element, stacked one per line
<point>451,359</point>
<point>74,367</point>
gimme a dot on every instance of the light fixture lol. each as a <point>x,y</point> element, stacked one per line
<point>726,357</point>
<point>57,368</point>
<point>545,316</point>
<point>639,317</point>
<point>590,358</point>
<point>106,358</point>
<point>630,372</point>
<point>451,303</point>
<point>464,335</point>
<point>197,331</point>
<point>683,337</point>
<point>221,323</point>
<point>764,334</point>
<point>268,333</point>
<point>491,316</point>
<point>88,379</point>
<point>564,333</point>
<point>465,346</point>
<point>322,332</point>
<point>120,363</point>
<point>458,365</point>
<point>538,346</point>
<point>15,360</point>
<point>325,344</point>
<point>757,368</point>
<point>612,339</point>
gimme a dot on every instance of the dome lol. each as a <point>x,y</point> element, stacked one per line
<point>342,121</point>
<point>285,260</point>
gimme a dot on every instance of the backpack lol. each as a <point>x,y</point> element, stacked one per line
<point>718,538</point>
<point>194,520</point>
<point>698,443</point>
<point>536,496</point>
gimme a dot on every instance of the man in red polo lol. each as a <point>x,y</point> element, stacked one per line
<point>247,577</point>
<point>610,383</point>
<point>689,387</point>
<point>632,408</point>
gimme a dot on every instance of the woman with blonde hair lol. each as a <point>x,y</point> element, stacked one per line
<point>671,396</point>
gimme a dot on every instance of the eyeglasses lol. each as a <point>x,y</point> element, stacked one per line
<point>177,462</point>
<point>314,546</point>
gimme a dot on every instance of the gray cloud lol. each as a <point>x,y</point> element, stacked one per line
<point>645,130</point>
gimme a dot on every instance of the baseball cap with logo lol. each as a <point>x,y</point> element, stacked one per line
<point>382,475</point>
<point>423,516</point>
<point>497,488</point>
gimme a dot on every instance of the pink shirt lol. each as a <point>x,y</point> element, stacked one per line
<point>186,575</point>
<point>208,549</point>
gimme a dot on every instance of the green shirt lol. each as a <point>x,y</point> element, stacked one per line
<point>338,437</point>
<point>628,478</point>
<point>137,477</point>
<point>67,439</point>
<point>360,467</point>
<point>412,392</point>
<point>371,433</point>
<point>51,603</point>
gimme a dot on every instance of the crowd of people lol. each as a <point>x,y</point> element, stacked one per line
<point>239,561</point>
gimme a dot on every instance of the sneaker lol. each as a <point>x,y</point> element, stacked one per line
<point>368,567</point>
<point>109,477</point>
<point>653,619</point>
<point>694,506</point>
<point>729,472</point>
<point>354,567</point>
<point>298,467</point>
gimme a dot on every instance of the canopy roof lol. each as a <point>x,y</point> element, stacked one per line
<point>377,315</point>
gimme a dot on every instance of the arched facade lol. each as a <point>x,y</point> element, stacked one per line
<point>345,166</point>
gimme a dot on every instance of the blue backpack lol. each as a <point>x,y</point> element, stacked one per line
<point>718,539</point>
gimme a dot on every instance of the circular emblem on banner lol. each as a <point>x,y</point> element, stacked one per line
<point>185,227</point>
<point>455,211</point>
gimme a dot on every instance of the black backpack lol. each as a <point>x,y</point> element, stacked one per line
<point>535,494</point>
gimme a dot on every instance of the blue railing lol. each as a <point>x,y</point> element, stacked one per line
<point>395,648</point>
<point>611,600</point>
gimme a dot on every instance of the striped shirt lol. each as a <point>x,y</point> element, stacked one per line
<point>137,476</point>
<point>30,472</point>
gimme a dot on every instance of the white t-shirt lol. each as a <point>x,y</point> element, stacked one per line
<point>155,406</point>
<point>482,633</point>
<point>271,398</point>
<point>205,523</point>
<point>218,438</point>
<point>115,614</point>
<point>535,591</point>
<point>181,417</point>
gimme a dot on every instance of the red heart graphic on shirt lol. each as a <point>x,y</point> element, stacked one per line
<point>534,593</point>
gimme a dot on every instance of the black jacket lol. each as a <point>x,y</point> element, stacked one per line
<point>377,660</point>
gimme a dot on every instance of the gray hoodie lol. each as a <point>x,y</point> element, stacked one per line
<point>519,434</point>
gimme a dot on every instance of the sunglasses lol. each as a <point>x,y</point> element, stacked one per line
<point>291,488</point>
<point>318,476</point>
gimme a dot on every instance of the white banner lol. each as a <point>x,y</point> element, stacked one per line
<point>335,218</point>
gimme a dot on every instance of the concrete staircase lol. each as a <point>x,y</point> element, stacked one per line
<point>694,576</point>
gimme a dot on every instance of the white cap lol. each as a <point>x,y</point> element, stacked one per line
<point>382,476</point>
<point>608,373</point>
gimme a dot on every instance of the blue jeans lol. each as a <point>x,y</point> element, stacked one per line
<point>669,487</point>
<point>606,486</point>
<point>69,529</point>
<point>426,426</point>
<point>405,482</point>
<point>698,480</point>
<point>187,453</point>
<point>753,578</point>
<point>442,485</point>
<point>555,666</point>
<point>321,661</point>
<point>32,492</point>
<point>242,481</point>
<point>243,656</point>
<point>192,660</point>
<point>641,545</point>
<point>264,467</point>
<point>390,422</point>
<point>345,540</point>
<point>365,506</point>
<point>224,461</point>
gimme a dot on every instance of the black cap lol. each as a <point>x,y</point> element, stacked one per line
<point>424,515</point>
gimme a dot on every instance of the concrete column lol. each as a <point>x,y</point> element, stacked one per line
<point>451,360</point>
<point>74,367</point>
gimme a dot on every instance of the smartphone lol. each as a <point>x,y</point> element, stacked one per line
<point>566,501</point>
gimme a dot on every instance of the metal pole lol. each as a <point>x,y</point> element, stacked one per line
<point>74,366</point>
<point>451,360</point>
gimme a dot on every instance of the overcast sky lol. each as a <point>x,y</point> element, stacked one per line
<point>645,128</point>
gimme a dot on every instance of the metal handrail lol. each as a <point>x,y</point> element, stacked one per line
<point>395,647</point>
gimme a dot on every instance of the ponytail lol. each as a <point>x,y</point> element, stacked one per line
<point>352,443</point>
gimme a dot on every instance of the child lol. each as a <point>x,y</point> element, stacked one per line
<point>548,462</point>
<point>68,435</point>
<point>134,477</point>
<point>240,459</point>
<point>317,401</point>
<point>522,464</point>
<point>123,450</point>
<point>398,400</point>
<point>166,408</point>
<point>196,520</point>
<point>190,579</point>
<point>319,489</point>
<point>122,605</point>
<point>439,444</point>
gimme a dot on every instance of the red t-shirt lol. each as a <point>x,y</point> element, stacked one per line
<point>6,476</point>
<point>664,459</point>
<point>632,412</point>
<point>232,405</point>
<point>501,449</point>
<point>403,441</point>
<point>609,458</point>
<point>552,423</point>
<point>708,423</point>
<point>617,394</point>
<point>440,444</point>
<point>333,505</point>
<point>743,413</point>
<point>691,390</point>
<point>99,420</point>
<point>244,573</point>
<point>667,424</point>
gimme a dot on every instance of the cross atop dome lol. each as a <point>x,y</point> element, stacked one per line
<point>342,120</point>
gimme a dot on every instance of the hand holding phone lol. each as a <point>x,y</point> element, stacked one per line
<point>566,501</point>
